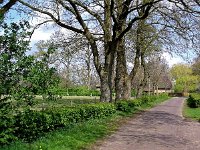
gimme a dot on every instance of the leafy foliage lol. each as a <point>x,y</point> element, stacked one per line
<point>31,124</point>
<point>186,83</point>
<point>13,59</point>
<point>13,65</point>
<point>129,105</point>
<point>6,123</point>
<point>194,100</point>
<point>185,80</point>
<point>21,76</point>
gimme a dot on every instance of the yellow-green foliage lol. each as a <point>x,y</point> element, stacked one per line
<point>186,81</point>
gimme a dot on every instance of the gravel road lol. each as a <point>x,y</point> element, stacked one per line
<point>161,128</point>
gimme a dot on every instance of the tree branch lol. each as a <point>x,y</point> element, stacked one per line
<point>7,6</point>
<point>88,35</point>
<point>57,21</point>
<point>130,24</point>
<point>92,13</point>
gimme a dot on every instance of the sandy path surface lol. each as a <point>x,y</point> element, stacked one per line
<point>160,128</point>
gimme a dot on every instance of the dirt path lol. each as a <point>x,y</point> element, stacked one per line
<point>160,128</point>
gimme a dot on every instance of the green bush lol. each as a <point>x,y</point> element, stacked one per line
<point>128,105</point>
<point>7,121</point>
<point>133,93</point>
<point>32,124</point>
<point>194,100</point>
<point>135,103</point>
<point>123,106</point>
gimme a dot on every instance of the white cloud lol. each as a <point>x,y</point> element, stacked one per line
<point>172,59</point>
<point>44,31</point>
<point>41,34</point>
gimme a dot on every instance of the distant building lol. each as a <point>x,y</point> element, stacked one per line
<point>164,85</point>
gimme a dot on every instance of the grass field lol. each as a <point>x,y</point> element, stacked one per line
<point>80,136</point>
<point>74,97</point>
<point>191,113</point>
<point>65,101</point>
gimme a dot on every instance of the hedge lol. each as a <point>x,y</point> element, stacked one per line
<point>194,100</point>
<point>31,124</point>
<point>128,105</point>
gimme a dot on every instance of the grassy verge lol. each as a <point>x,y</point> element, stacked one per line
<point>191,113</point>
<point>77,137</point>
<point>82,135</point>
<point>152,104</point>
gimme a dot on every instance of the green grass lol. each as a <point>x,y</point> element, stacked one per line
<point>152,104</point>
<point>191,113</point>
<point>77,137</point>
<point>64,102</point>
<point>74,97</point>
<point>80,136</point>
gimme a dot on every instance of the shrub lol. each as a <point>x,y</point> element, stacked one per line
<point>31,124</point>
<point>123,105</point>
<point>194,100</point>
<point>135,103</point>
<point>6,123</point>
<point>133,93</point>
<point>128,105</point>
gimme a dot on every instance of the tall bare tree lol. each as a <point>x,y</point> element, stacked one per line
<point>106,21</point>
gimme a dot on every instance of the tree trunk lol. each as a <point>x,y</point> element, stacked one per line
<point>127,88</point>
<point>144,81</point>
<point>120,71</point>
<point>157,89</point>
<point>105,89</point>
<point>123,80</point>
<point>88,64</point>
<point>139,91</point>
<point>109,48</point>
<point>118,87</point>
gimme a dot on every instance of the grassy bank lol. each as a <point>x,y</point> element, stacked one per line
<point>81,135</point>
<point>191,113</point>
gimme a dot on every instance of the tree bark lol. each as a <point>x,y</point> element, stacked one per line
<point>144,80</point>
<point>120,71</point>
<point>109,47</point>
<point>127,88</point>
<point>6,7</point>
<point>105,89</point>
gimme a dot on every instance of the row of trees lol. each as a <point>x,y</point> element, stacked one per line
<point>109,26</point>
